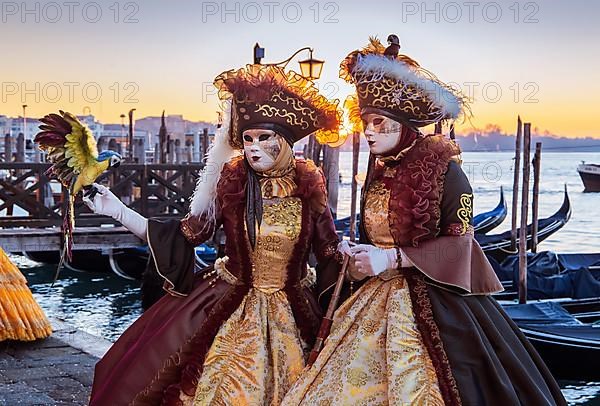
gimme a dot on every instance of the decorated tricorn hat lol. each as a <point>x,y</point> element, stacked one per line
<point>266,96</point>
<point>396,86</point>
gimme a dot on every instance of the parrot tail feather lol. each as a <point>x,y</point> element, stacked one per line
<point>67,231</point>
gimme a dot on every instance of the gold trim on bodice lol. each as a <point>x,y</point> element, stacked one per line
<point>275,241</point>
<point>375,215</point>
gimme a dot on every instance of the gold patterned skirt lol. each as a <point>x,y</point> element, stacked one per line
<point>256,356</point>
<point>21,318</point>
<point>373,356</point>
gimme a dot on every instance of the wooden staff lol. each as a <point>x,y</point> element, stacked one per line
<point>537,157</point>
<point>524,210</point>
<point>515,194</point>
<point>328,319</point>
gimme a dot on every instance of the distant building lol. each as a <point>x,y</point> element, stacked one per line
<point>177,127</point>
<point>16,127</point>
<point>95,126</point>
<point>4,125</point>
<point>146,127</point>
<point>120,134</point>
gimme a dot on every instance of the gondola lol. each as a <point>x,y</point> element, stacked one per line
<point>551,276</point>
<point>497,246</point>
<point>487,221</point>
<point>83,260</point>
<point>131,263</point>
<point>482,223</point>
<point>569,346</point>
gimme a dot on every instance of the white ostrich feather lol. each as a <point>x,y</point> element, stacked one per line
<point>219,153</point>
<point>371,68</point>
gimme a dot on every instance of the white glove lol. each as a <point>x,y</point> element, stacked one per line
<point>370,260</point>
<point>344,247</point>
<point>107,204</point>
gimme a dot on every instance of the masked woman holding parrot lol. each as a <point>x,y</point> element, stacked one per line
<point>237,333</point>
<point>421,328</point>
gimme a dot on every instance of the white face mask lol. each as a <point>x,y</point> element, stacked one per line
<point>261,148</point>
<point>382,133</point>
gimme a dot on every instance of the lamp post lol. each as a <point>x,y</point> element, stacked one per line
<point>130,143</point>
<point>310,68</point>
<point>24,122</point>
<point>122,126</point>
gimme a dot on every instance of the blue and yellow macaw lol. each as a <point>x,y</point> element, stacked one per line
<point>73,152</point>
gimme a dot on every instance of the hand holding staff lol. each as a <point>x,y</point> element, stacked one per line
<point>328,319</point>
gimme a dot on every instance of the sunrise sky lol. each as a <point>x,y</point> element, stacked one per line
<point>538,59</point>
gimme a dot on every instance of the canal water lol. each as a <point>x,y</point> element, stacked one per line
<point>104,304</point>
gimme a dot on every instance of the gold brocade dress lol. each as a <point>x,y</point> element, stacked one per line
<point>375,354</point>
<point>258,353</point>
<point>21,318</point>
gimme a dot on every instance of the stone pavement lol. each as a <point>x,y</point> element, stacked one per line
<point>54,371</point>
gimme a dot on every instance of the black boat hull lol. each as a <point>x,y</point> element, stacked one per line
<point>498,246</point>
<point>485,222</point>
<point>129,263</point>
<point>591,182</point>
<point>567,357</point>
<point>569,346</point>
<point>83,260</point>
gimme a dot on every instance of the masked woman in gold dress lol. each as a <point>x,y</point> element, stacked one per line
<point>422,329</point>
<point>236,334</point>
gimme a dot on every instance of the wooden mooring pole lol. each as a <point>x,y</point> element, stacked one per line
<point>354,192</point>
<point>8,149</point>
<point>537,157</point>
<point>524,213</point>
<point>196,147</point>
<point>331,168</point>
<point>515,194</point>
<point>205,144</point>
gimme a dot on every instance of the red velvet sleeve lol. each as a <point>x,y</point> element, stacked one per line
<point>325,238</point>
<point>197,229</point>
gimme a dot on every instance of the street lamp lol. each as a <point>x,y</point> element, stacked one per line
<point>310,68</point>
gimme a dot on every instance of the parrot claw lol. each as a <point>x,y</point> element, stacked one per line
<point>91,192</point>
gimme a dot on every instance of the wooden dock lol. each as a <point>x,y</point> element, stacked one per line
<point>84,238</point>
<point>31,204</point>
